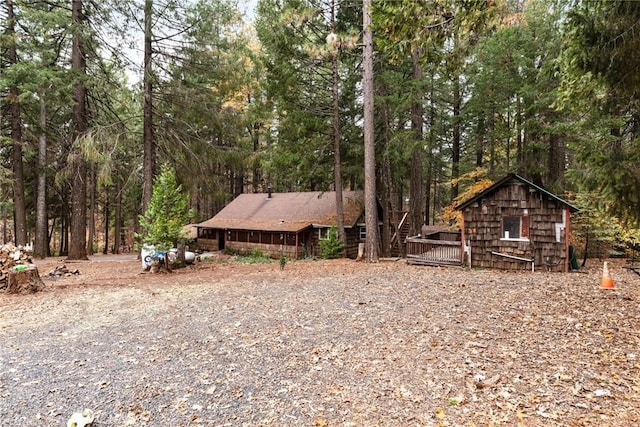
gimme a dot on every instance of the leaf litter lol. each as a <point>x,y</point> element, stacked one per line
<point>323,343</point>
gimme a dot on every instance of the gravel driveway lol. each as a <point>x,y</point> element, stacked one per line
<point>322,343</point>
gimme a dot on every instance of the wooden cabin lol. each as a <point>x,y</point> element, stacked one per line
<point>517,225</point>
<point>283,224</point>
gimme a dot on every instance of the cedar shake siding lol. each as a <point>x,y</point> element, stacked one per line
<point>515,222</point>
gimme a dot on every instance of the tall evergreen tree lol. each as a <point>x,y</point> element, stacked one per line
<point>148,142</point>
<point>167,213</point>
<point>370,199</point>
<point>78,241</point>
<point>20,214</point>
<point>600,73</point>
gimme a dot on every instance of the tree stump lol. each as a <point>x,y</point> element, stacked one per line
<point>24,281</point>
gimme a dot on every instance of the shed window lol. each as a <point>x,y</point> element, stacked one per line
<point>515,227</point>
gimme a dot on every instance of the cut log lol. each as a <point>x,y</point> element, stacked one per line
<point>26,280</point>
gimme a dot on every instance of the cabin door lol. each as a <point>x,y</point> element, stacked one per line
<point>221,234</point>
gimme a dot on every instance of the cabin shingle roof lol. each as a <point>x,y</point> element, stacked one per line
<point>286,211</point>
<point>515,178</point>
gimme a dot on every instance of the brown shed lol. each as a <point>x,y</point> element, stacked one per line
<point>289,224</point>
<point>516,224</point>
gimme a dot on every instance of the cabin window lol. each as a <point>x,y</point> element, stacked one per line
<point>291,239</point>
<point>363,232</point>
<point>515,227</point>
<point>266,238</point>
<point>323,233</point>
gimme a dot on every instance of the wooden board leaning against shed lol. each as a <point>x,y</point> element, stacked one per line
<point>517,225</point>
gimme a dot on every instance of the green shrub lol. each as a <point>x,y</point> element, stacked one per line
<point>256,256</point>
<point>257,253</point>
<point>332,247</point>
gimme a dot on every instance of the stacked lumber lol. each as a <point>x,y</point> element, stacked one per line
<point>17,271</point>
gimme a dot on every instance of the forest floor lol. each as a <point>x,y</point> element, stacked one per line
<point>321,343</point>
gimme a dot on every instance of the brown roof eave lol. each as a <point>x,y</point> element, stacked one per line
<point>276,228</point>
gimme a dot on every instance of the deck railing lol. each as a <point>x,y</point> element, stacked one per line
<point>433,252</point>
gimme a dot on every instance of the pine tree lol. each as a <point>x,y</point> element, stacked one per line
<point>167,214</point>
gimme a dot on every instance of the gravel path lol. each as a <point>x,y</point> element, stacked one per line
<point>322,343</point>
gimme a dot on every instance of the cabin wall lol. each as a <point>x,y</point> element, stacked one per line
<point>351,248</point>
<point>546,242</point>
<point>353,240</point>
<point>207,239</point>
<point>270,250</point>
<point>207,244</point>
<point>273,244</point>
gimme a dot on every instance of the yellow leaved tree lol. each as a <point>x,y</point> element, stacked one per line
<point>470,184</point>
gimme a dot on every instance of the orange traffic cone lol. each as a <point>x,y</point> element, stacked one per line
<point>607,281</point>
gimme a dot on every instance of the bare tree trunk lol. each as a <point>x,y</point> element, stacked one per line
<point>107,218</point>
<point>335,119</point>
<point>455,146</point>
<point>556,156</point>
<point>386,192</point>
<point>64,223</point>
<point>480,142</point>
<point>416,196</point>
<point>509,133</point>
<point>490,130</point>
<point>149,148</point>
<point>92,207</point>
<point>78,241</point>
<point>117,220</point>
<point>239,182</point>
<point>519,141</point>
<point>255,167</point>
<point>41,245</point>
<point>20,212</point>
<point>431,162</point>
<point>371,208</point>
<point>5,226</point>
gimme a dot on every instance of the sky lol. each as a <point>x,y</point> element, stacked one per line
<point>249,6</point>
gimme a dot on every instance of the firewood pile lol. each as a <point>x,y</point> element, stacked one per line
<point>10,257</point>
<point>18,273</point>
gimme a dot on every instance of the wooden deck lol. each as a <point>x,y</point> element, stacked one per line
<point>433,252</point>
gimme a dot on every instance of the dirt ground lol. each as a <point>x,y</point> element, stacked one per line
<point>321,343</point>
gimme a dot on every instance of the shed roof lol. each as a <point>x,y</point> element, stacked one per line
<point>286,211</point>
<point>511,178</point>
